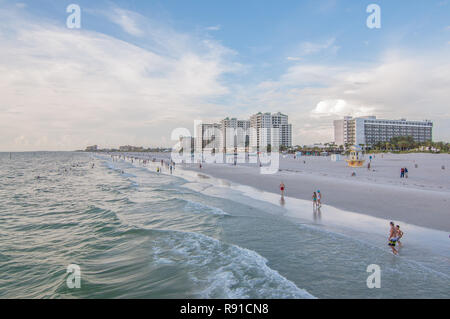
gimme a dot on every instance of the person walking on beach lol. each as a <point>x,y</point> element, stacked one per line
<point>319,198</point>
<point>282,188</point>
<point>393,238</point>
<point>402,172</point>
<point>314,198</point>
<point>406,172</point>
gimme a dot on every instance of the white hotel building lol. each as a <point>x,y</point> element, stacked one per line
<point>269,129</point>
<point>252,135</point>
<point>235,135</point>
<point>370,130</point>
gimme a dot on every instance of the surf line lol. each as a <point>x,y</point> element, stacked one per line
<point>191,309</point>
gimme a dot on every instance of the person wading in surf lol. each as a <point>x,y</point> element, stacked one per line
<point>393,238</point>
<point>314,198</point>
<point>282,189</point>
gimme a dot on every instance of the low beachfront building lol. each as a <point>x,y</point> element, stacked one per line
<point>370,130</point>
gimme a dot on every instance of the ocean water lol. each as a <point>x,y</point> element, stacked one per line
<point>138,234</point>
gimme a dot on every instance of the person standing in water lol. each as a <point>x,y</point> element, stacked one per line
<point>282,188</point>
<point>314,198</point>
<point>319,198</point>
<point>393,238</point>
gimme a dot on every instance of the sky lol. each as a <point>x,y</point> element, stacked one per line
<point>136,70</point>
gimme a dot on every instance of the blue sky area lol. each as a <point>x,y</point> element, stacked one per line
<point>314,60</point>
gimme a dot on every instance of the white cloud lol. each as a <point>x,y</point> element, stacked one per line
<point>127,20</point>
<point>308,48</point>
<point>214,28</point>
<point>401,84</point>
<point>292,58</point>
<point>339,108</point>
<point>63,89</point>
<point>305,49</point>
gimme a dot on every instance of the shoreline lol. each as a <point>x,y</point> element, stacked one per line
<point>365,228</point>
<point>420,200</point>
<point>421,207</point>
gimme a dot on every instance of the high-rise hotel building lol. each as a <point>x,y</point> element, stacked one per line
<point>370,130</point>
<point>231,134</point>
<point>235,134</point>
<point>269,129</point>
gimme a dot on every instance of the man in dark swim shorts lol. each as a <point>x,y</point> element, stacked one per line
<point>393,238</point>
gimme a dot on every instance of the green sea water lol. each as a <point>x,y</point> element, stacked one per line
<point>138,234</point>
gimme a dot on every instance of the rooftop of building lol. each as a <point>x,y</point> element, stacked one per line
<point>372,117</point>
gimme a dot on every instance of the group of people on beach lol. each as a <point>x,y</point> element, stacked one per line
<point>395,234</point>
<point>170,165</point>
<point>317,196</point>
<point>403,172</point>
<point>317,199</point>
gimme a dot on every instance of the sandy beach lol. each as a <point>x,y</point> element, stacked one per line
<point>421,199</point>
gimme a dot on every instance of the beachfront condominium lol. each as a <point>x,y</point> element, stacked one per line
<point>269,129</point>
<point>280,123</point>
<point>370,130</point>
<point>235,134</point>
<point>208,138</point>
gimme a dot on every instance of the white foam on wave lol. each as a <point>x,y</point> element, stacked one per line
<point>197,207</point>
<point>221,270</point>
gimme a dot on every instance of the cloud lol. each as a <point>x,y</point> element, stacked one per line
<point>291,58</point>
<point>339,108</point>
<point>214,28</point>
<point>327,5</point>
<point>63,89</point>
<point>307,48</point>
<point>399,84</point>
<point>127,20</point>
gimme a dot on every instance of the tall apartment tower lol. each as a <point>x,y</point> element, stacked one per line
<point>235,135</point>
<point>208,138</point>
<point>260,129</point>
<point>269,129</point>
<point>280,121</point>
<point>370,130</point>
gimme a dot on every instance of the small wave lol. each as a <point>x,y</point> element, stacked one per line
<point>192,206</point>
<point>221,270</point>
